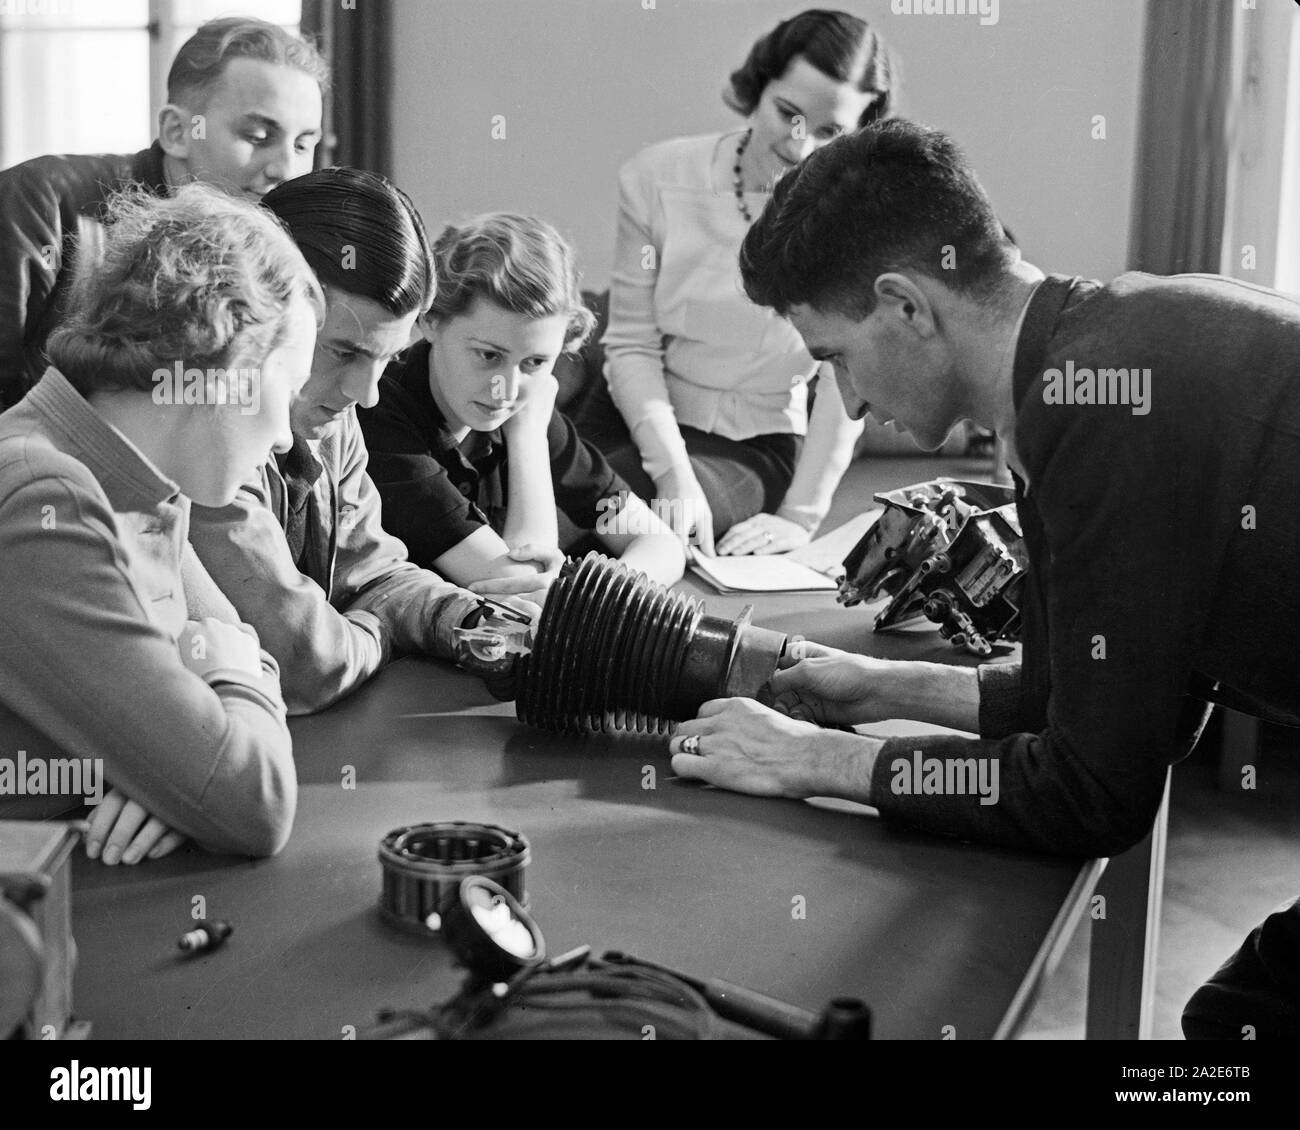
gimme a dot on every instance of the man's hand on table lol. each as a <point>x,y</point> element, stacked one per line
<point>783,751</point>
<point>833,688</point>
<point>837,688</point>
<point>485,645</point>
<point>746,746</point>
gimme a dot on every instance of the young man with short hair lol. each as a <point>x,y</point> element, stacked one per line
<point>243,113</point>
<point>301,551</point>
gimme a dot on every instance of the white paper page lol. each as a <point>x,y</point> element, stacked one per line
<point>774,573</point>
<point>827,553</point>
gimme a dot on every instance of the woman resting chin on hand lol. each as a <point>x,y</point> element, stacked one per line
<point>467,448</point>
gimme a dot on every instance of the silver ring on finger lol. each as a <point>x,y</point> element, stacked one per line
<point>691,745</point>
<point>767,537</point>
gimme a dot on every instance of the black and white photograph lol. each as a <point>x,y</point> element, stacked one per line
<point>561,521</point>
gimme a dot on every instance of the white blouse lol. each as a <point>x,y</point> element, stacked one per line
<point>684,343</point>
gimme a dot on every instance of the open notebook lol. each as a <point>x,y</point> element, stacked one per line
<point>814,568</point>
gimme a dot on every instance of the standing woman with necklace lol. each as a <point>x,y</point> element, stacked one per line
<point>705,408</point>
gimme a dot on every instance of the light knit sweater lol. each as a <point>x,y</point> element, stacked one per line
<point>684,343</point>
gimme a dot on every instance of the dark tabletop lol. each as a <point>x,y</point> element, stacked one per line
<point>930,933</point>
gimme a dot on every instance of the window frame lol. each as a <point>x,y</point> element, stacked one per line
<point>1264,153</point>
<point>163,30</point>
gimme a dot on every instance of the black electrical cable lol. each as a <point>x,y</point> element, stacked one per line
<point>625,993</point>
<point>423,865</point>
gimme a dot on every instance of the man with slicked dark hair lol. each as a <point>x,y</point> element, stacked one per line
<point>301,552</point>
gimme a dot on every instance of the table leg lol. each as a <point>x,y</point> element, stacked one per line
<point>1122,962</point>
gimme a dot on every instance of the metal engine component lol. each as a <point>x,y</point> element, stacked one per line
<point>423,864</point>
<point>502,947</point>
<point>949,550</point>
<point>615,651</point>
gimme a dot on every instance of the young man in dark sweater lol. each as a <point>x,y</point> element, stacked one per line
<point>243,114</point>
<point>1153,425</point>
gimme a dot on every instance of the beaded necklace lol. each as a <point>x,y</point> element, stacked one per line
<point>738,182</point>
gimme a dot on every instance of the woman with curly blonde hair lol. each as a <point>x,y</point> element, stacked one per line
<point>469,452</point>
<point>170,381</point>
